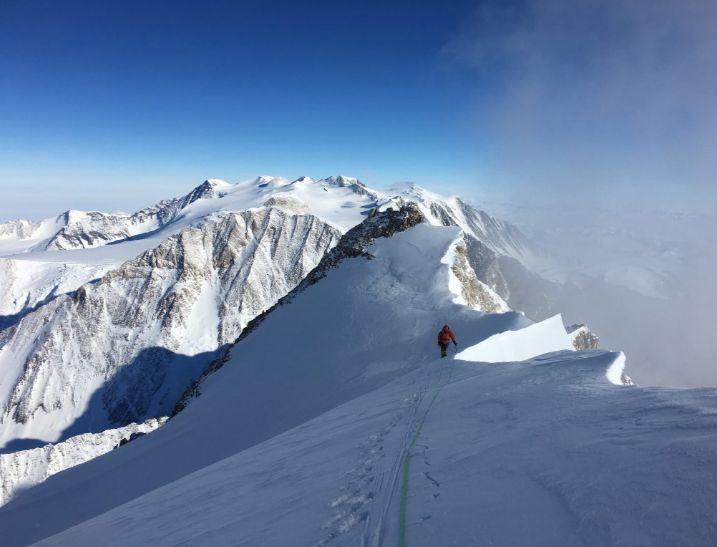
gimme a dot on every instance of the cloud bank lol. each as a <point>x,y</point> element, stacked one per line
<point>600,100</point>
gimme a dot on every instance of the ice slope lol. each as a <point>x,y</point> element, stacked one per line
<point>545,452</point>
<point>367,322</point>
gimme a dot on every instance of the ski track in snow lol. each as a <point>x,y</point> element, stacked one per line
<point>373,486</point>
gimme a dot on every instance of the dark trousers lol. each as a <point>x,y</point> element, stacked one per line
<point>444,350</point>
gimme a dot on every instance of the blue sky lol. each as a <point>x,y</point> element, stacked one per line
<point>113,105</point>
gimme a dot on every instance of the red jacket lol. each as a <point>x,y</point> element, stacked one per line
<point>445,336</point>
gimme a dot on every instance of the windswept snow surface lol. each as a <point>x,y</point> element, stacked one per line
<point>333,424</point>
<point>543,453</point>
<point>543,337</point>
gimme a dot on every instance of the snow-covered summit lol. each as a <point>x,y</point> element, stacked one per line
<point>342,200</point>
<point>59,254</point>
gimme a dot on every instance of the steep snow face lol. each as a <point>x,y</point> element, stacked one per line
<point>369,320</point>
<point>22,470</point>
<point>22,235</point>
<point>124,349</point>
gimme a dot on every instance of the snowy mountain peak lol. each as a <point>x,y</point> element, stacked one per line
<point>209,189</point>
<point>341,180</point>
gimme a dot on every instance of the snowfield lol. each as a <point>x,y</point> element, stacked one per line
<point>333,423</point>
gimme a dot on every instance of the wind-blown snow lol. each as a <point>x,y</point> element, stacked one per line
<point>519,345</point>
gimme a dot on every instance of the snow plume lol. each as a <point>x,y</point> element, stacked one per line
<point>604,98</point>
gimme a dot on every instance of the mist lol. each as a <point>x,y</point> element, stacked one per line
<point>599,122</point>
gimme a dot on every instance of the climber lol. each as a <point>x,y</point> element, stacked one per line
<point>445,337</point>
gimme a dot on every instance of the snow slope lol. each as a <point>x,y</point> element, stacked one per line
<point>544,453</point>
<point>332,423</point>
<point>365,323</point>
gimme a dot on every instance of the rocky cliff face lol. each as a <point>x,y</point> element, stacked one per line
<point>583,338</point>
<point>124,348</point>
<point>27,468</point>
<point>474,292</point>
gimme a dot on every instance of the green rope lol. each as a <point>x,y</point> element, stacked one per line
<point>406,473</point>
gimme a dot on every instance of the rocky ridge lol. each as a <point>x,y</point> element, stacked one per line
<point>124,348</point>
<point>24,469</point>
